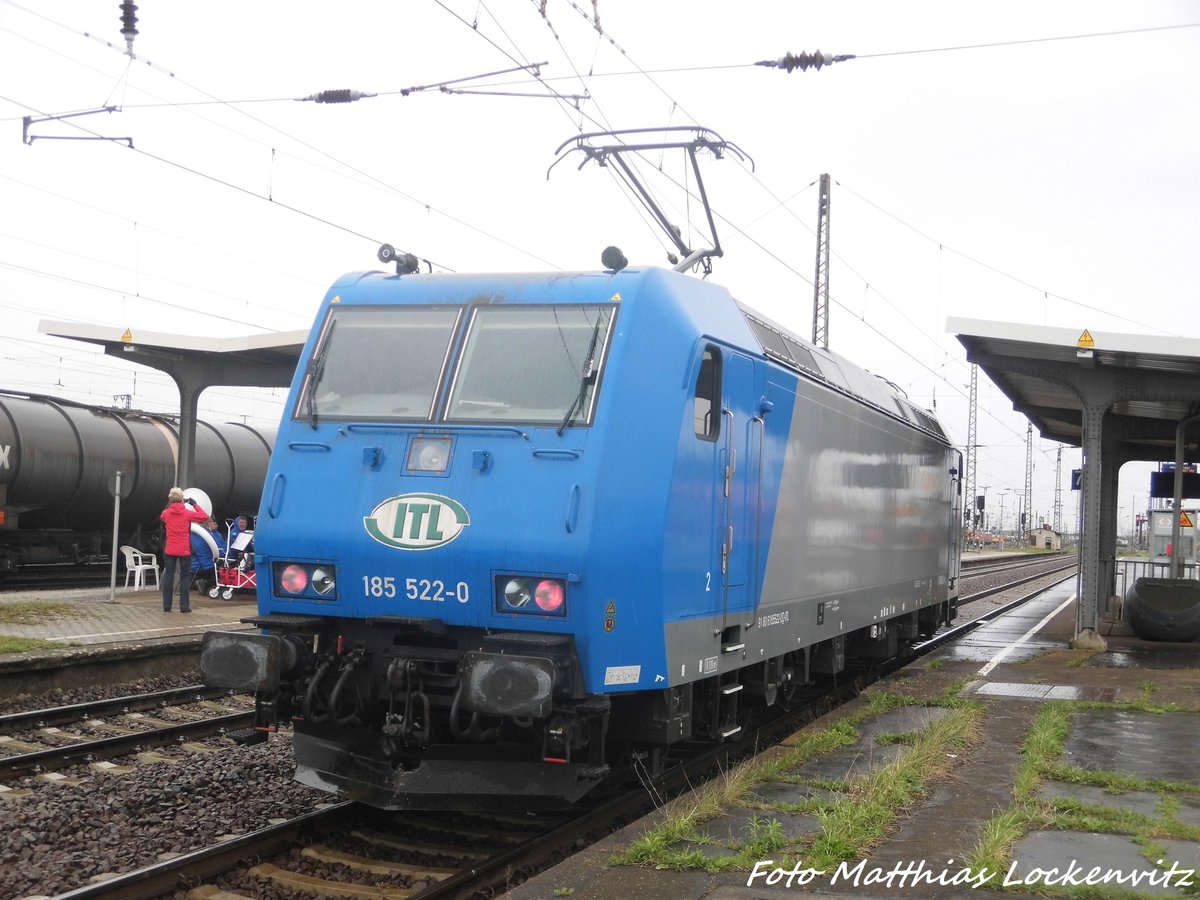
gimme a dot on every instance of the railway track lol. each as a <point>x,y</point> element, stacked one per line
<point>981,582</point>
<point>37,741</point>
<point>346,850</point>
<point>338,848</point>
<point>987,565</point>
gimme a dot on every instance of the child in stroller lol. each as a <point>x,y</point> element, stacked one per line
<point>235,571</point>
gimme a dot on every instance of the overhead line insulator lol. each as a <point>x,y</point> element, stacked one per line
<point>129,23</point>
<point>340,95</point>
<point>804,61</point>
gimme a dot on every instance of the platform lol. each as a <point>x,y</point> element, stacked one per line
<point>1076,765</point>
<point>85,627</point>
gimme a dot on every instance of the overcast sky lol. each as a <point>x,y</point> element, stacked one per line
<point>1050,177</point>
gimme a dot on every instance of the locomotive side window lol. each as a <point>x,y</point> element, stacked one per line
<point>537,365</point>
<point>378,363</point>
<point>708,396</point>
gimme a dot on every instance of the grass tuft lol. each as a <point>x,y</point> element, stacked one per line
<point>33,612</point>
<point>852,823</point>
<point>11,644</point>
<point>1042,752</point>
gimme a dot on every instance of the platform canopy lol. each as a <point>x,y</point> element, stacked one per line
<point>1037,366</point>
<point>1120,397</point>
<point>267,360</point>
<point>194,363</point>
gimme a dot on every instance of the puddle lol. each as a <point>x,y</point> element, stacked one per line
<point>1144,745</point>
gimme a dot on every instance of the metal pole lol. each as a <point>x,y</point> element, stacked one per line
<point>1180,429</point>
<point>112,578</point>
<point>820,329</point>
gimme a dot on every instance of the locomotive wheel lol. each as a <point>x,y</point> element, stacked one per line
<point>214,592</point>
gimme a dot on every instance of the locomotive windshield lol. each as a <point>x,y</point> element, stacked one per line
<point>534,364</point>
<point>375,363</point>
<point>527,364</point>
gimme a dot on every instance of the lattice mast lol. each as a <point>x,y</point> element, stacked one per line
<point>1027,497</point>
<point>1058,493</point>
<point>820,329</point>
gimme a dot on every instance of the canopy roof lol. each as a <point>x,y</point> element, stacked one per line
<point>1153,382</point>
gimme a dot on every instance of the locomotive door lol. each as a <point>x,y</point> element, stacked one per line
<point>736,474</point>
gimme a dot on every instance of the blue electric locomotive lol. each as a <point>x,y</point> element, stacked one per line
<point>518,527</point>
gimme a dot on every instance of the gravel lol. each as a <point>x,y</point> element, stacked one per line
<point>60,836</point>
<point>26,702</point>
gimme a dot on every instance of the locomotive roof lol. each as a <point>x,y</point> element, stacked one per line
<point>775,342</point>
<point>837,371</point>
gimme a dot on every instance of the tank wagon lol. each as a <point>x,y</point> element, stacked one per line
<point>57,458</point>
<point>517,529</point>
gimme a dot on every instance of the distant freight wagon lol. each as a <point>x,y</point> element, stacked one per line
<point>57,459</point>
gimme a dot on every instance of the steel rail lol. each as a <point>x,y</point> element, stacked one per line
<point>970,598</point>
<point>193,867</point>
<point>119,745</point>
<point>978,566</point>
<point>59,715</point>
<point>958,631</point>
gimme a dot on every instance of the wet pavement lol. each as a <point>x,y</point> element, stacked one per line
<point>88,634</point>
<point>88,617</point>
<point>1116,802</point>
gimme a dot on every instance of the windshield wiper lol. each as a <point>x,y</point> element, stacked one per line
<point>588,376</point>
<point>316,365</point>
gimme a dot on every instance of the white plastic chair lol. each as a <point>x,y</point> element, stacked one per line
<point>137,564</point>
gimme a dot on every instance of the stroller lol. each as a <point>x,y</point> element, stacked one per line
<point>235,571</point>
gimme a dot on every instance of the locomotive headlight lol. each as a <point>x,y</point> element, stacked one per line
<point>516,593</point>
<point>304,581</point>
<point>429,455</point>
<point>548,595</point>
<point>293,579</point>
<point>323,580</point>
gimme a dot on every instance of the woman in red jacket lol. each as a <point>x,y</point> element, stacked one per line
<point>177,554</point>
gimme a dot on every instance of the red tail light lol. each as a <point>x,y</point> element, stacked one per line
<point>293,579</point>
<point>549,596</point>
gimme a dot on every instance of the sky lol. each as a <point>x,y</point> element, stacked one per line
<point>1031,162</point>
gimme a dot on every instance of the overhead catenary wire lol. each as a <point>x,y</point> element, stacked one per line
<point>110,289</point>
<point>379,182</point>
<point>599,30</point>
<point>639,71</point>
<point>226,183</point>
<point>1015,278</point>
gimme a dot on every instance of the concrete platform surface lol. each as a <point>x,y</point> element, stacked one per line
<point>1110,795</point>
<point>85,621</point>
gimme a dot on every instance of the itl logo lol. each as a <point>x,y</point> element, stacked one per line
<point>417,521</point>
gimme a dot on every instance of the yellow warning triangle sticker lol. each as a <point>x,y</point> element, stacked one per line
<point>616,298</point>
<point>127,336</point>
<point>1086,340</point>
<point>610,609</point>
<point>1185,521</point>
